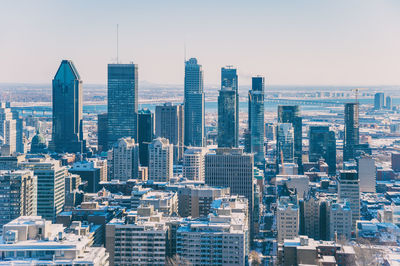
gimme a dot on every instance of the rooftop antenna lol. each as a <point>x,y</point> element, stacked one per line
<point>117,44</point>
<point>184,50</point>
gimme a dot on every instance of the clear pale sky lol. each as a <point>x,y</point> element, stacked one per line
<point>308,42</point>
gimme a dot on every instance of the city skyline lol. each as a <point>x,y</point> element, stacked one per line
<point>275,40</point>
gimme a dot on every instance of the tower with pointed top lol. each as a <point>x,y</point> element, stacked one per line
<point>67,132</point>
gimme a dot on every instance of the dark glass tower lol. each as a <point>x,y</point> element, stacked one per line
<point>67,133</point>
<point>229,80</point>
<point>122,102</point>
<point>351,131</point>
<point>291,114</point>
<point>102,132</point>
<point>145,134</point>
<point>194,104</point>
<point>323,145</point>
<point>256,120</point>
<point>379,101</point>
<point>227,122</point>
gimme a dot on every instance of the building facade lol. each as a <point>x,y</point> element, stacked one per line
<point>125,159</point>
<point>351,131</point>
<point>194,164</point>
<point>160,160</point>
<point>322,144</point>
<point>145,134</point>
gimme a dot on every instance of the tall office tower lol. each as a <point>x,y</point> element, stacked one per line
<point>256,119</point>
<point>160,160</point>
<point>67,132</point>
<point>122,102</point>
<point>388,104</point>
<point>145,134</point>
<point>351,131</point>
<point>229,81</point>
<point>230,167</point>
<point>18,190</point>
<point>366,170</point>
<point>349,189</point>
<point>227,123</point>
<point>379,101</point>
<point>8,130</point>
<point>170,125</point>
<point>291,114</point>
<point>287,219</point>
<point>221,239</point>
<point>340,221</point>
<point>284,143</point>
<point>50,185</point>
<point>193,163</point>
<point>125,159</point>
<point>322,144</point>
<point>194,104</point>
<point>102,132</point>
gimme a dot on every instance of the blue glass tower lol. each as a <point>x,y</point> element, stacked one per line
<point>194,104</point>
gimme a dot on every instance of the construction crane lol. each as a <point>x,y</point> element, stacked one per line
<point>356,91</point>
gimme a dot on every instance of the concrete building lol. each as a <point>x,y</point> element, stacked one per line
<point>138,239</point>
<point>8,129</point>
<point>18,190</point>
<point>298,182</point>
<point>194,163</point>
<point>340,221</point>
<point>31,240</point>
<point>160,160</point>
<point>366,170</point>
<point>125,159</point>
<point>50,185</point>
<point>222,239</point>
<point>122,102</point>
<point>349,190</point>
<point>165,202</point>
<point>170,125</point>
<point>67,131</point>
<point>195,201</point>
<point>287,219</point>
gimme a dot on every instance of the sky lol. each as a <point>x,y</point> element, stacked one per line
<point>307,42</point>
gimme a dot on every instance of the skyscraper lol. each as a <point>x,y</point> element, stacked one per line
<point>67,133</point>
<point>291,114</point>
<point>379,101</point>
<point>322,144</point>
<point>145,134</point>
<point>256,119</point>
<point>102,132</point>
<point>227,122</point>
<point>351,131</point>
<point>366,170</point>
<point>125,159</point>
<point>194,104</point>
<point>170,125</point>
<point>229,79</point>
<point>284,144</point>
<point>8,129</point>
<point>122,102</point>
<point>388,104</point>
<point>349,190</point>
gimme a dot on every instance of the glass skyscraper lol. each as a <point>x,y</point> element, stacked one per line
<point>145,134</point>
<point>194,104</point>
<point>67,133</point>
<point>351,131</point>
<point>323,145</point>
<point>291,114</point>
<point>227,122</point>
<point>122,101</point>
<point>256,120</point>
<point>229,81</point>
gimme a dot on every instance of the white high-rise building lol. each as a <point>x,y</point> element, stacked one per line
<point>287,219</point>
<point>193,163</point>
<point>160,160</point>
<point>8,130</point>
<point>222,239</point>
<point>125,159</point>
<point>340,221</point>
<point>349,189</point>
<point>366,173</point>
